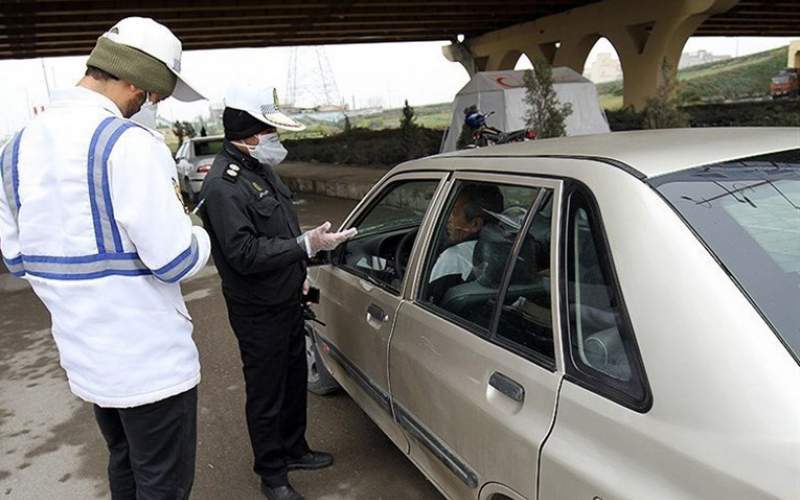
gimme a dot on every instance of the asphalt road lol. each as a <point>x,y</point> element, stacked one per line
<point>50,446</point>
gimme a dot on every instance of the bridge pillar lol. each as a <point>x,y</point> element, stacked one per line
<point>645,34</point>
<point>794,55</point>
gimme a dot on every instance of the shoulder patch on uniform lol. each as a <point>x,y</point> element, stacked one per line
<point>231,173</point>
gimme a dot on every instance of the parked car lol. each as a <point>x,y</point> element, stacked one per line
<point>625,325</point>
<point>193,161</point>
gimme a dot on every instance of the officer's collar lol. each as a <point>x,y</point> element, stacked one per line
<point>242,159</point>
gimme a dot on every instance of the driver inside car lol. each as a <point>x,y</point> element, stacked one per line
<point>470,212</point>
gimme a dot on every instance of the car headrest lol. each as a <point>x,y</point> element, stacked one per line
<point>491,252</point>
<point>605,352</point>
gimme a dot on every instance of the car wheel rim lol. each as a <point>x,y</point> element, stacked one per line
<point>311,360</point>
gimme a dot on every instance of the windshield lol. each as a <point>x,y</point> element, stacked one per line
<point>748,213</point>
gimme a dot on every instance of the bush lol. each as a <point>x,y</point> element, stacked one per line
<point>661,110</point>
<point>746,114</point>
<point>546,115</point>
<point>625,119</point>
<point>742,114</point>
<point>364,147</point>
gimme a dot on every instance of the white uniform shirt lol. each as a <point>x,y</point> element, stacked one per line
<point>90,216</point>
<point>456,259</point>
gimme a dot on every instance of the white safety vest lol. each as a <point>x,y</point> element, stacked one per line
<point>90,216</point>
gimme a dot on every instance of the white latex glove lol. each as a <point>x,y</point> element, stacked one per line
<point>321,238</point>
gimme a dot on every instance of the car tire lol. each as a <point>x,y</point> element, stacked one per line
<point>320,381</point>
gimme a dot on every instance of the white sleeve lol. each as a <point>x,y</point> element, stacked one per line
<point>147,206</point>
<point>9,235</point>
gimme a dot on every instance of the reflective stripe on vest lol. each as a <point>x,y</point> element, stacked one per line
<point>106,232</point>
<point>15,266</point>
<point>10,174</point>
<point>99,265</point>
<point>110,260</point>
<point>84,267</point>
<point>180,265</point>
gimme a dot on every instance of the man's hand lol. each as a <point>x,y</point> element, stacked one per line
<point>306,287</point>
<point>321,238</point>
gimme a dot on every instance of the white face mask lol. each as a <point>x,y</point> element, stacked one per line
<point>269,149</point>
<point>147,113</point>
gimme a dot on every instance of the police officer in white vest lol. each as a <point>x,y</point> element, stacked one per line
<point>90,215</point>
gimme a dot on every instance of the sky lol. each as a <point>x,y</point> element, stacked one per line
<point>365,74</point>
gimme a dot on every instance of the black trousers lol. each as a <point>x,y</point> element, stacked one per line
<point>152,448</point>
<point>272,345</point>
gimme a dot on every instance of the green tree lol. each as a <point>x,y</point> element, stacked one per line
<point>348,127</point>
<point>183,130</point>
<point>408,132</point>
<point>546,114</point>
<point>661,110</point>
<point>349,141</point>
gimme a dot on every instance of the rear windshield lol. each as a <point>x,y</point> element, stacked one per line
<point>748,213</point>
<point>207,148</point>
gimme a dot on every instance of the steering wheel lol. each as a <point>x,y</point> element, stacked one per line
<point>401,263</point>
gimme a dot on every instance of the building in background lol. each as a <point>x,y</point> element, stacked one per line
<point>689,59</point>
<point>605,68</point>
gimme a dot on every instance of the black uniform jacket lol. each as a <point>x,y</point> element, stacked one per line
<point>254,231</point>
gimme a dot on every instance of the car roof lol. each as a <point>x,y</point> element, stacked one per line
<point>646,153</point>
<point>207,138</point>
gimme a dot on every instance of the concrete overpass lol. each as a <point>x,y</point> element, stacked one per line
<point>645,33</point>
<point>496,33</point>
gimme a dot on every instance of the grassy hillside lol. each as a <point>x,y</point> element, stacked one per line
<point>739,78</point>
<point>436,116</point>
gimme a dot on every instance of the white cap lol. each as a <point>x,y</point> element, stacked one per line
<point>155,40</point>
<point>262,104</point>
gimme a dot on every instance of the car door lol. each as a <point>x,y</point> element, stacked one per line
<point>475,385</point>
<point>178,160</point>
<point>361,291</point>
<point>599,446</point>
<point>184,165</point>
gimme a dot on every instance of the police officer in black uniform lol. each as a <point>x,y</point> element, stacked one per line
<point>261,255</point>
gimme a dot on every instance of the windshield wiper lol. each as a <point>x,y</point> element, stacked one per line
<point>790,202</point>
<point>728,192</point>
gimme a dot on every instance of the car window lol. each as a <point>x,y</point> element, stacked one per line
<point>602,349</point>
<point>747,212</point>
<point>207,148</point>
<point>526,319</point>
<point>472,244</point>
<point>386,233</point>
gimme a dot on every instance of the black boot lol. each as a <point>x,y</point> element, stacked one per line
<point>282,492</point>
<point>311,460</point>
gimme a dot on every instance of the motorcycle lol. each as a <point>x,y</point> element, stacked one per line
<point>485,135</point>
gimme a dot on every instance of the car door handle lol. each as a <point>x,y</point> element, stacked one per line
<point>376,314</point>
<point>507,386</point>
